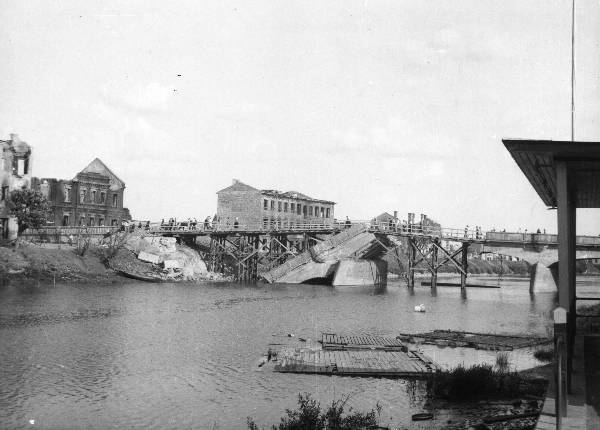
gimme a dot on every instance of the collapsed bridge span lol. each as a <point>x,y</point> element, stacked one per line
<point>351,257</point>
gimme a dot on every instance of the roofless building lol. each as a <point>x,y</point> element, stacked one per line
<point>252,207</point>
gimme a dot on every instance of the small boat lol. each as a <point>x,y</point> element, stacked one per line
<point>422,416</point>
<point>139,277</point>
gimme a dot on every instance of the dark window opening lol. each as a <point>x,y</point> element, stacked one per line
<point>115,199</point>
<point>265,204</point>
<point>65,220</point>
<point>285,207</point>
<point>278,206</point>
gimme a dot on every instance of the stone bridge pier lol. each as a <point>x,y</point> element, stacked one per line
<point>543,260</point>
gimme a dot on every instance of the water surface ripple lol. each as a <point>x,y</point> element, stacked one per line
<point>165,356</point>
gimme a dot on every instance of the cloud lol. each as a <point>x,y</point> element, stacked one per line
<point>147,97</point>
<point>398,138</point>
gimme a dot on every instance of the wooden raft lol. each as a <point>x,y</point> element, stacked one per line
<point>354,356</point>
<point>452,338</point>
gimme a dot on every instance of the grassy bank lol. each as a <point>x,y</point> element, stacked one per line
<point>52,263</point>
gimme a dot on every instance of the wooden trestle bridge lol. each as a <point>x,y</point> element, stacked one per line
<point>267,246</point>
<point>248,247</point>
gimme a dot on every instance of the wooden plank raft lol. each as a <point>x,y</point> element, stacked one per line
<point>354,356</point>
<point>494,342</point>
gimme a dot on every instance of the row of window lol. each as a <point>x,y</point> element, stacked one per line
<point>297,208</point>
<point>91,221</point>
<point>94,196</point>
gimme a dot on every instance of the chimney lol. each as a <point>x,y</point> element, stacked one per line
<point>396,214</point>
<point>235,181</point>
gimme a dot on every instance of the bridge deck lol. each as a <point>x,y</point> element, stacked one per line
<point>393,229</point>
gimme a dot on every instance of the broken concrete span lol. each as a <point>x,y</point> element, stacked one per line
<point>351,257</point>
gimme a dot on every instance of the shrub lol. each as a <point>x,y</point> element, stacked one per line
<point>502,362</point>
<point>544,354</point>
<point>480,381</point>
<point>309,416</point>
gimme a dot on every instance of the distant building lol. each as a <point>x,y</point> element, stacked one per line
<point>254,207</point>
<point>93,198</point>
<point>15,174</point>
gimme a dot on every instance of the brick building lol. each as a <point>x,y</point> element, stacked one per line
<point>15,173</point>
<point>93,198</point>
<point>253,207</point>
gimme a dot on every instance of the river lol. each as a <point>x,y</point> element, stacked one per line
<point>138,355</point>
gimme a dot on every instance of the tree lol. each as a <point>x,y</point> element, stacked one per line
<point>29,207</point>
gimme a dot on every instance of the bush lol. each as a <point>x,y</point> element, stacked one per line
<point>502,362</point>
<point>544,354</point>
<point>480,381</point>
<point>309,416</point>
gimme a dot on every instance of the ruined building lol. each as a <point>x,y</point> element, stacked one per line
<point>94,197</point>
<point>15,173</point>
<point>255,208</point>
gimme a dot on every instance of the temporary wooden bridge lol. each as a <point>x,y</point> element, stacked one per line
<point>495,342</point>
<point>371,356</point>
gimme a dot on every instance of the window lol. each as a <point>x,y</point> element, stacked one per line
<point>113,222</point>
<point>67,191</point>
<point>327,213</point>
<point>82,195</point>
<point>304,210</point>
<point>272,205</point>
<point>278,206</point>
<point>4,193</point>
<point>115,200</point>
<point>265,204</point>
<point>322,212</point>
<point>65,220</point>
<point>93,196</point>
<point>82,221</point>
<point>101,221</point>
<point>310,211</point>
<point>285,207</point>
<point>299,209</point>
<point>292,207</point>
<point>91,222</point>
<point>102,197</point>
<point>316,211</point>
<point>20,167</point>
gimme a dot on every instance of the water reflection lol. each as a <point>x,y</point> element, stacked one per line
<point>175,355</point>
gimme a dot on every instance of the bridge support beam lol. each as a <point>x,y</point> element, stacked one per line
<point>434,266</point>
<point>465,265</point>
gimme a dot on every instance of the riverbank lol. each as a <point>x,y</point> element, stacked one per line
<point>49,263</point>
<point>63,263</point>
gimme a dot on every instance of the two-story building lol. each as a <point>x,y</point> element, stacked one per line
<point>15,174</point>
<point>93,198</point>
<point>254,208</point>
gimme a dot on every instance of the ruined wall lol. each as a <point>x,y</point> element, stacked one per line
<point>245,205</point>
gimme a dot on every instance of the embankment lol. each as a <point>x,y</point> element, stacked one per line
<point>61,262</point>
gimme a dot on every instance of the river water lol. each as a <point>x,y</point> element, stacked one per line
<point>138,355</point>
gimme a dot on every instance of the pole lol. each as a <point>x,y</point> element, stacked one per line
<point>464,265</point>
<point>573,71</point>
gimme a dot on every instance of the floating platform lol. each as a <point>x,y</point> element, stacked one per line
<point>455,284</point>
<point>372,356</point>
<point>494,342</point>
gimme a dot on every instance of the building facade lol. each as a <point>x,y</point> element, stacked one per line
<point>252,207</point>
<point>15,174</point>
<point>93,198</point>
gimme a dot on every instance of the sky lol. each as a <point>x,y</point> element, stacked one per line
<point>376,105</point>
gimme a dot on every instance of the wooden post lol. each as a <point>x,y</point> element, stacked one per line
<point>410,281</point>
<point>566,256</point>
<point>434,268</point>
<point>464,265</point>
